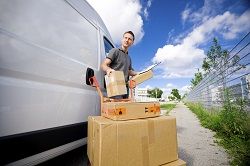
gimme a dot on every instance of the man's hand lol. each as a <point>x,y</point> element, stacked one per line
<point>105,66</point>
<point>109,71</point>
<point>131,84</point>
<point>132,73</point>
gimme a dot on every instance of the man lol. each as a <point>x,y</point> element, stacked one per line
<point>119,59</point>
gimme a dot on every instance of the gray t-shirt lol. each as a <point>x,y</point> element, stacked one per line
<point>120,61</point>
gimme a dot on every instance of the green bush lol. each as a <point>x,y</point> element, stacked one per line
<point>233,121</point>
<point>213,122</point>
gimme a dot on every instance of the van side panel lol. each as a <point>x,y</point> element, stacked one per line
<point>43,65</point>
<point>45,49</point>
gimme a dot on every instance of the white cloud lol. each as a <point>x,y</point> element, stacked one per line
<point>120,16</point>
<point>236,25</point>
<point>168,89</point>
<point>202,32</point>
<point>170,36</point>
<point>185,14</point>
<point>209,9</point>
<point>148,87</point>
<point>185,89</point>
<point>149,3</point>
<point>169,85</point>
<point>145,11</point>
<point>181,60</point>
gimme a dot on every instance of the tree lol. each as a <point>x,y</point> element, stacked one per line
<point>184,96</point>
<point>171,98</point>
<point>197,78</point>
<point>219,64</point>
<point>205,65</point>
<point>156,93</point>
<point>216,56</point>
<point>175,93</point>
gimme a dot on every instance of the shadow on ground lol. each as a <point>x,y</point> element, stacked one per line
<point>185,156</point>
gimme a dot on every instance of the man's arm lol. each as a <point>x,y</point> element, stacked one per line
<point>105,66</point>
<point>132,73</point>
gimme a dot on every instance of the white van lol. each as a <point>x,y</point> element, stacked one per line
<point>48,50</point>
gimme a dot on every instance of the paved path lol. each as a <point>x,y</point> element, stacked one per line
<point>196,143</point>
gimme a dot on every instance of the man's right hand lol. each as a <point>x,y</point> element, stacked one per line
<point>109,71</point>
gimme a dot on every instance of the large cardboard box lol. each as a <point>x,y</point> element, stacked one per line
<point>130,110</point>
<point>115,84</point>
<point>178,162</point>
<point>140,142</point>
<point>141,77</point>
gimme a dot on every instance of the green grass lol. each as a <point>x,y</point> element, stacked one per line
<point>232,127</point>
<point>168,107</point>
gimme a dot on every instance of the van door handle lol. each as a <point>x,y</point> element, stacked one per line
<point>89,73</point>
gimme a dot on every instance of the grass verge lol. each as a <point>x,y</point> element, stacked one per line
<point>168,107</point>
<point>232,127</point>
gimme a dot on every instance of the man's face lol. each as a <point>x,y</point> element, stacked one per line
<point>127,40</point>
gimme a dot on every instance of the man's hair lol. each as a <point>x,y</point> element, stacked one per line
<point>131,33</point>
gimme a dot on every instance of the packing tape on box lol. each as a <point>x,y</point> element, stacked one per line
<point>145,152</point>
<point>146,141</point>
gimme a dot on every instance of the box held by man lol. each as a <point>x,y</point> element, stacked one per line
<point>115,84</point>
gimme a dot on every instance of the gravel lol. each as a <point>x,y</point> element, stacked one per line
<point>196,144</point>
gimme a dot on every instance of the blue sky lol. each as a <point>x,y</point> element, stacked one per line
<point>177,33</point>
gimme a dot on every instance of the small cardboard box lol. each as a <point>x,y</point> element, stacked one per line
<point>178,162</point>
<point>141,77</point>
<point>115,84</point>
<point>130,110</point>
<point>140,142</point>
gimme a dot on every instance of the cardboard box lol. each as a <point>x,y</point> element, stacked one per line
<point>178,162</point>
<point>115,84</point>
<point>140,142</point>
<point>130,110</point>
<point>139,78</point>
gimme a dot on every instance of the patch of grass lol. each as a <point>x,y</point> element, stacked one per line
<point>232,127</point>
<point>168,107</point>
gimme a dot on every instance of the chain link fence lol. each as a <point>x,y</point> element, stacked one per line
<point>231,75</point>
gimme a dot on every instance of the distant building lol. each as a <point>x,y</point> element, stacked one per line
<point>245,87</point>
<point>242,89</point>
<point>235,90</point>
<point>141,94</point>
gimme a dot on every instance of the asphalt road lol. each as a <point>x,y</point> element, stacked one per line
<point>196,144</point>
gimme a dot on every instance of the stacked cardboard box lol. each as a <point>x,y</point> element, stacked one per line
<point>140,142</point>
<point>146,140</point>
<point>130,110</point>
